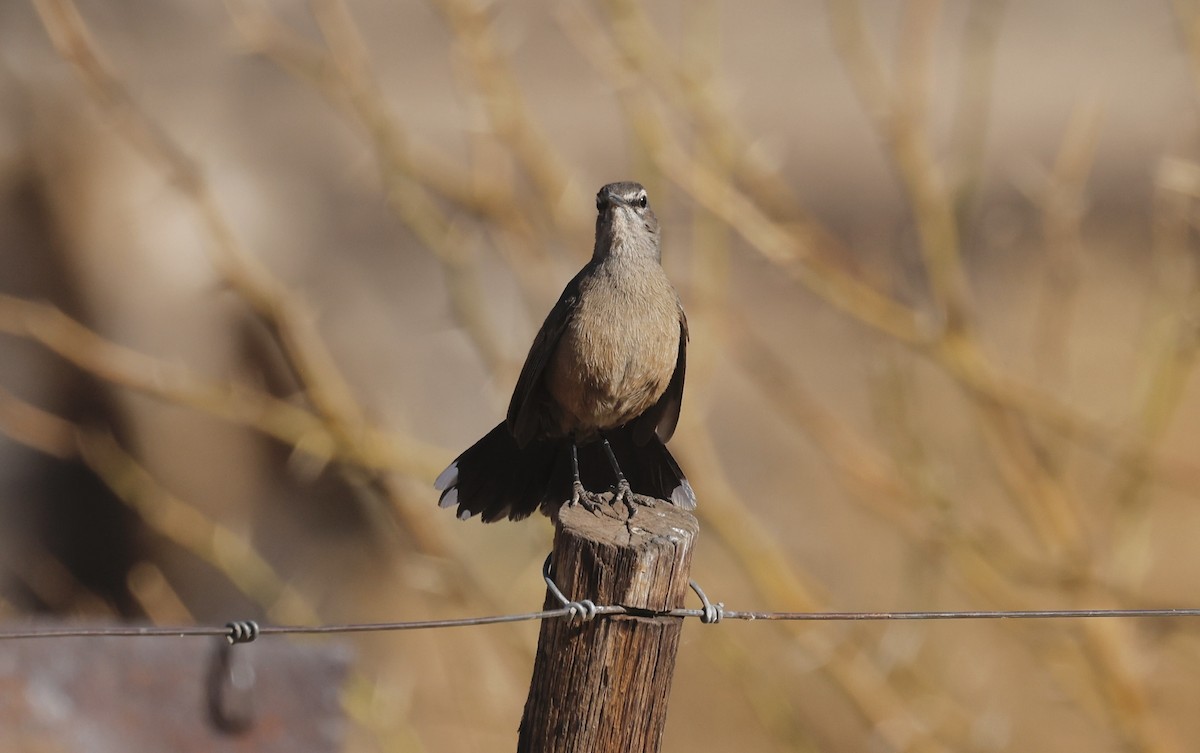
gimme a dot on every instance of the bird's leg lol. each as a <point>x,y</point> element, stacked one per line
<point>579,495</point>
<point>623,492</point>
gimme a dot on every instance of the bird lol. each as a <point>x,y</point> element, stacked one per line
<point>600,392</point>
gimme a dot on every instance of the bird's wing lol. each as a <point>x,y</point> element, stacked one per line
<point>662,417</point>
<point>527,407</point>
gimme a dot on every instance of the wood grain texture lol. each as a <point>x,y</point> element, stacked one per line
<point>603,686</point>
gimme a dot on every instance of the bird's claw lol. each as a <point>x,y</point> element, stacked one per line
<point>581,496</point>
<point>623,494</point>
<point>606,502</point>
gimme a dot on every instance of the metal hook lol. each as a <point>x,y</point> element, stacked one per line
<point>711,613</point>
<point>582,610</point>
<point>231,680</point>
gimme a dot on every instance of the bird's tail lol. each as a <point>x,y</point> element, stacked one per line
<point>495,478</point>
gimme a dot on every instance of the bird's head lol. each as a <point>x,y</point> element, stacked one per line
<point>625,223</point>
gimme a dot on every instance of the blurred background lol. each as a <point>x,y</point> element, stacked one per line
<point>267,266</point>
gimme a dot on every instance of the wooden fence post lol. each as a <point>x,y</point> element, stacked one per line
<point>602,686</point>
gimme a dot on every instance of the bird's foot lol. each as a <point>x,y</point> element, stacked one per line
<point>622,492</point>
<point>643,500</point>
<point>625,495</point>
<point>609,503</point>
<point>580,496</point>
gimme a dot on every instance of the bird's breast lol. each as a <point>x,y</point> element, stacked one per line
<point>618,352</point>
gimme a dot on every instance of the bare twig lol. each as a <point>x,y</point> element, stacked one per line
<point>230,552</point>
<point>1063,205</point>
<point>240,404</point>
<point>406,192</point>
<point>285,314</point>
<point>186,525</point>
<point>899,115</point>
<point>777,580</point>
<point>508,114</point>
<point>973,103</point>
<point>35,428</point>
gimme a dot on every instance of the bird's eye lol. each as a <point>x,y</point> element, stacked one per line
<point>599,204</point>
<point>642,201</point>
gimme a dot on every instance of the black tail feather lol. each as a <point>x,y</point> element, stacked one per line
<point>494,478</point>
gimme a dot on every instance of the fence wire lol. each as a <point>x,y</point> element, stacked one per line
<point>244,631</point>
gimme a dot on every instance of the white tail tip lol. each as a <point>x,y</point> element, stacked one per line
<point>447,478</point>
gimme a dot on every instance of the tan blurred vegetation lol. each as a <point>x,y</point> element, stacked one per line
<point>268,266</point>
